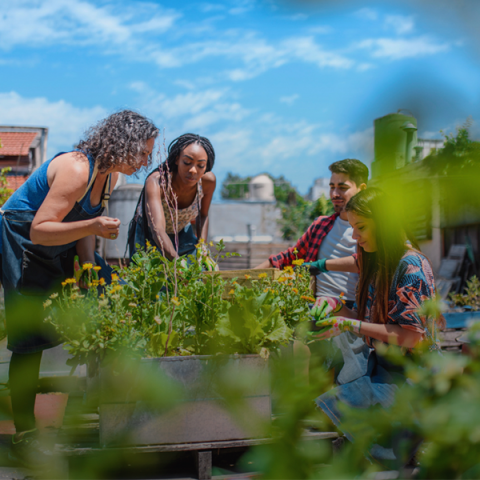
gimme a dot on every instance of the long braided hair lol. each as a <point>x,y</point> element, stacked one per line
<point>176,146</point>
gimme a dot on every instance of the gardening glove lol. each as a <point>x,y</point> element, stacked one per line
<point>335,326</point>
<point>324,306</point>
<point>317,267</point>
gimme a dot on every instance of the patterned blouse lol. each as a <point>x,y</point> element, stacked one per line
<point>184,215</point>
<point>413,283</point>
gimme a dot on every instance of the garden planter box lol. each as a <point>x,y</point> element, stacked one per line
<point>131,412</point>
<point>461,319</point>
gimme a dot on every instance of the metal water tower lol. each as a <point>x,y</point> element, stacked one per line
<point>261,189</point>
<point>121,205</point>
<point>395,139</point>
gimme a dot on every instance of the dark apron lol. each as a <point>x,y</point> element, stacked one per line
<point>30,273</point>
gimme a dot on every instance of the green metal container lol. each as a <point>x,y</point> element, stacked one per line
<point>395,139</point>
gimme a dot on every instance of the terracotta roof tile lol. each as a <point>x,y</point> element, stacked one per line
<point>16,181</point>
<point>16,143</point>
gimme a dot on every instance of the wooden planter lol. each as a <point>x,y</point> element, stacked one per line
<point>133,412</point>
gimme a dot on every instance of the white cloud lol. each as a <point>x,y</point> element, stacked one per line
<point>400,23</point>
<point>396,49</point>
<point>367,14</point>
<point>66,122</point>
<point>321,30</point>
<point>79,22</point>
<point>290,99</point>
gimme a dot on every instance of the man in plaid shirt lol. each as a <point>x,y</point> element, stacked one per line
<point>329,239</point>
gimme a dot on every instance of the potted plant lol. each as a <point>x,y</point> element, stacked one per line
<point>164,340</point>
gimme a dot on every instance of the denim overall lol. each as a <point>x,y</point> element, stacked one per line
<point>30,273</point>
<point>139,231</point>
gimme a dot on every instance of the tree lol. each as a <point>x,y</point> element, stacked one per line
<point>297,213</point>
<point>234,187</point>
<point>5,192</point>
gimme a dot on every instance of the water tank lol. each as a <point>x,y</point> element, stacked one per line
<point>260,189</point>
<point>121,205</point>
<point>395,138</point>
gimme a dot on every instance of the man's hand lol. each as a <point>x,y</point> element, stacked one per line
<point>317,267</point>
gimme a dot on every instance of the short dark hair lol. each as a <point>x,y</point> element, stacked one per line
<point>355,169</point>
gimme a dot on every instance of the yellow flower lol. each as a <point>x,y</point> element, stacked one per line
<point>54,295</point>
<point>97,268</point>
<point>231,292</point>
<point>175,301</point>
<point>308,299</point>
<point>262,275</point>
<point>299,262</point>
<point>102,281</point>
<point>281,279</point>
<point>148,244</point>
<point>64,284</point>
<point>288,270</point>
<point>116,288</point>
<point>87,266</point>
<point>70,280</point>
<point>114,277</point>
<point>341,294</point>
<point>102,295</point>
<point>157,297</point>
<point>295,290</point>
<point>211,244</point>
<point>47,303</point>
<point>248,277</point>
<point>295,251</point>
<point>267,290</point>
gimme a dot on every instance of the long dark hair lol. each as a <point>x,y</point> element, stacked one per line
<point>391,236</point>
<point>119,138</point>
<point>176,146</point>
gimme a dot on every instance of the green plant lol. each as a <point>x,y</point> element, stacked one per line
<point>156,307</point>
<point>5,191</point>
<point>471,296</point>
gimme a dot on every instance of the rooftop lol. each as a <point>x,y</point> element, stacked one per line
<point>16,143</point>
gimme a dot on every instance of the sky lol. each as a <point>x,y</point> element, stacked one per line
<point>279,87</point>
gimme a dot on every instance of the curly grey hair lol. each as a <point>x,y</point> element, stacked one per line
<point>119,138</point>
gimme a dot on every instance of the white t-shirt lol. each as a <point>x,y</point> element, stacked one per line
<point>337,243</point>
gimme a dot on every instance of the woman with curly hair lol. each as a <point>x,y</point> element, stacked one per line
<point>395,280</point>
<point>176,195</point>
<point>55,215</point>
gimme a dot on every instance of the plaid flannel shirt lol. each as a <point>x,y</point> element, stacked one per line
<point>308,244</point>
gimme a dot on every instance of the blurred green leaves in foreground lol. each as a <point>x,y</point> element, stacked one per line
<point>439,405</point>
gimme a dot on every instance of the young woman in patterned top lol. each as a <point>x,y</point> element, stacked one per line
<point>172,212</point>
<point>395,279</point>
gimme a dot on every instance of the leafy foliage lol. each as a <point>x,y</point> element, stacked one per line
<point>471,297</point>
<point>459,155</point>
<point>156,307</point>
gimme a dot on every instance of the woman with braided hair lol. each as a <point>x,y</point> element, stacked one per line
<point>51,218</point>
<point>176,196</point>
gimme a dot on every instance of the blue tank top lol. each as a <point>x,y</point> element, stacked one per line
<point>33,192</point>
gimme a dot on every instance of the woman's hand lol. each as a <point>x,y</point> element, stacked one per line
<point>324,306</point>
<point>106,227</point>
<point>339,325</point>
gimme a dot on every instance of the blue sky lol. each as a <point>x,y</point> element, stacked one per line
<point>279,87</point>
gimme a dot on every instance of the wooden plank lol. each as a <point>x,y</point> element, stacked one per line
<point>203,462</point>
<point>185,447</point>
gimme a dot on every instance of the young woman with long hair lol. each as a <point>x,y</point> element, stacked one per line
<point>395,280</point>
<point>52,217</point>
<point>176,195</point>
